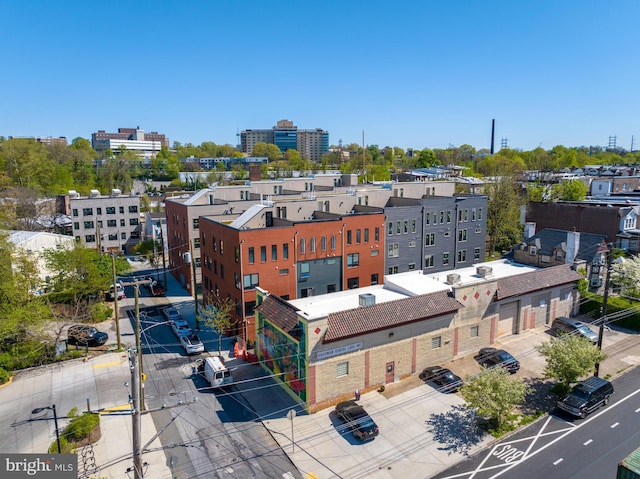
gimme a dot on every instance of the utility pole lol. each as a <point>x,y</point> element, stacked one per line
<point>135,416</point>
<point>194,283</point>
<point>605,298</point>
<point>115,300</point>
<point>138,347</point>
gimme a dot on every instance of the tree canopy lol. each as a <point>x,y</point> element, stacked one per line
<point>569,358</point>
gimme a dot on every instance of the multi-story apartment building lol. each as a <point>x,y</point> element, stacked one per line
<point>289,198</point>
<point>108,223</point>
<point>311,144</point>
<point>143,144</point>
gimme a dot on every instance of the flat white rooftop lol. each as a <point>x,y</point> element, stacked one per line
<point>404,285</point>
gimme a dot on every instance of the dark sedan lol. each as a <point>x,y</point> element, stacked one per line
<point>492,357</point>
<point>441,377</point>
<point>361,424</point>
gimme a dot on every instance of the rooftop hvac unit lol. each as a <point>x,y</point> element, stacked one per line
<point>366,299</point>
<point>74,194</point>
<point>115,192</point>
<point>94,193</point>
<point>484,271</point>
<point>453,278</point>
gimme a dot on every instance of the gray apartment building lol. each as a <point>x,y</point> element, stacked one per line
<point>311,144</point>
<point>109,223</point>
<point>435,233</point>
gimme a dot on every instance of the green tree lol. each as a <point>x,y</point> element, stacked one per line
<point>273,152</point>
<point>573,190</point>
<point>569,358</point>
<point>426,158</point>
<point>494,394</point>
<point>626,274</point>
<point>259,149</point>
<point>217,316</point>
<point>503,213</point>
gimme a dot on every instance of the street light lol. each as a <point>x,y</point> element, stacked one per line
<point>55,421</point>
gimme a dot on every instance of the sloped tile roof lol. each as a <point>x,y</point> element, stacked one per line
<point>535,281</point>
<point>279,312</point>
<point>353,322</point>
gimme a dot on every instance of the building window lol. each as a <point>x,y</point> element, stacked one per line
<point>111,223</point>
<point>462,256</point>
<point>285,250</point>
<point>474,331</point>
<point>252,255</point>
<point>435,217</point>
<point>430,239</point>
<point>353,260</point>
<point>374,279</point>
<point>377,234</point>
<point>412,266</point>
<point>303,245</point>
<point>353,283</point>
<point>533,250</point>
<point>123,236</point>
<point>89,225</point>
<point>447,233</point>
<point>263,253</point>
<point>250,281</point>
<point>221,247</point>
<point>323,243</point>
<point>412,244</point>
<point>121,209</point>
<point>398,227</point>
<point>76,225</point>
<point>274,252</point>
<point>479,214</point>
<point>390,228</point>
<point>436,342</point>
<point>449,216</point>
<point>342,369</point>
<point>428,261</point>
<point>374,252</point>
<point>237,277</point>
<point>312,245</point>
<point>462,235</point>
<point>366,235</point>
<point>406,227</point>
<point>473,214</point>
<point>476,253</point>
<point>98,211</point>
<point>394,250</point>
<point>196,223</point>
<point>221,271</point>
<point>75,212</point>
<point>427,219</point>
<point>441,217</point>
<point>90,238</point>
<point>113,237</point>
<point>283,271</point>
<point>133,209</point>
<point>133,221</point>
<point>87,211</point>
<point>111,210</point>
<point>413,226</point>
<point>306,292</point>
<point>304,271</point>
<point>478,229</point>
<point>445,259</point>
<point>349,237</point>
<point>196,243</point>
<point>249,308</point>
<point>333,242</point>
<point>358,236</point>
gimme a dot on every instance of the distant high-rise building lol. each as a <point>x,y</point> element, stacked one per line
<point>311,144</point>
<point>143,144</point>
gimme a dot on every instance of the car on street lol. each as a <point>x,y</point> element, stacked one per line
<point>117,290</point>
<point>180,327</point>
<point>172,314</point>
<point>85,335</point>
<point>192,344</point>
<point>563,325</point>
<point>357,419</point>
<point>443,378</point>
<point>492,357</point>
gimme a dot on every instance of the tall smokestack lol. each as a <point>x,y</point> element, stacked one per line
<point>493,131</point>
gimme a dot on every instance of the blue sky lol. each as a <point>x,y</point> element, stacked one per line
<point>419,74</point>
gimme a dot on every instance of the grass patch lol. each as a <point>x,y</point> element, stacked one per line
<point>83,429</point>
<point>592,306</point>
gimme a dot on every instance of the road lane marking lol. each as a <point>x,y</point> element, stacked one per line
<point>558,462</point>
<point>637,410</point>
<point>615,425</point>
<point>106,365</point>
<point>124,407</point>
<point>588,442</point>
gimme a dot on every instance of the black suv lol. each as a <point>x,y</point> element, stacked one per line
<point>86,335</point>
<point>587,396</point>
<point>356,418</point>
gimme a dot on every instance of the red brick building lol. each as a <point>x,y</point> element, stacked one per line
<point>293,259</point>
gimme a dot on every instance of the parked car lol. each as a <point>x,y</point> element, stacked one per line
<point>191,343</point>
<point>563,325</point>
<point>587,396</point>
<point>86,335</point>
<point>172,314</point>
<point>442,377</point>
<point>180,327</point>
<point>354,415</point>
<point>118,290</point>
<point>492,357</point>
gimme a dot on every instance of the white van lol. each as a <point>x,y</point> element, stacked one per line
<point>216,372</point>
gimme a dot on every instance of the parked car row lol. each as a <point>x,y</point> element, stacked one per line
<point>189,341</point>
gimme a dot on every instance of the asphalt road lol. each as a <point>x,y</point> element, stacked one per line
<point>560,446</point>
<point>217,436</point>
